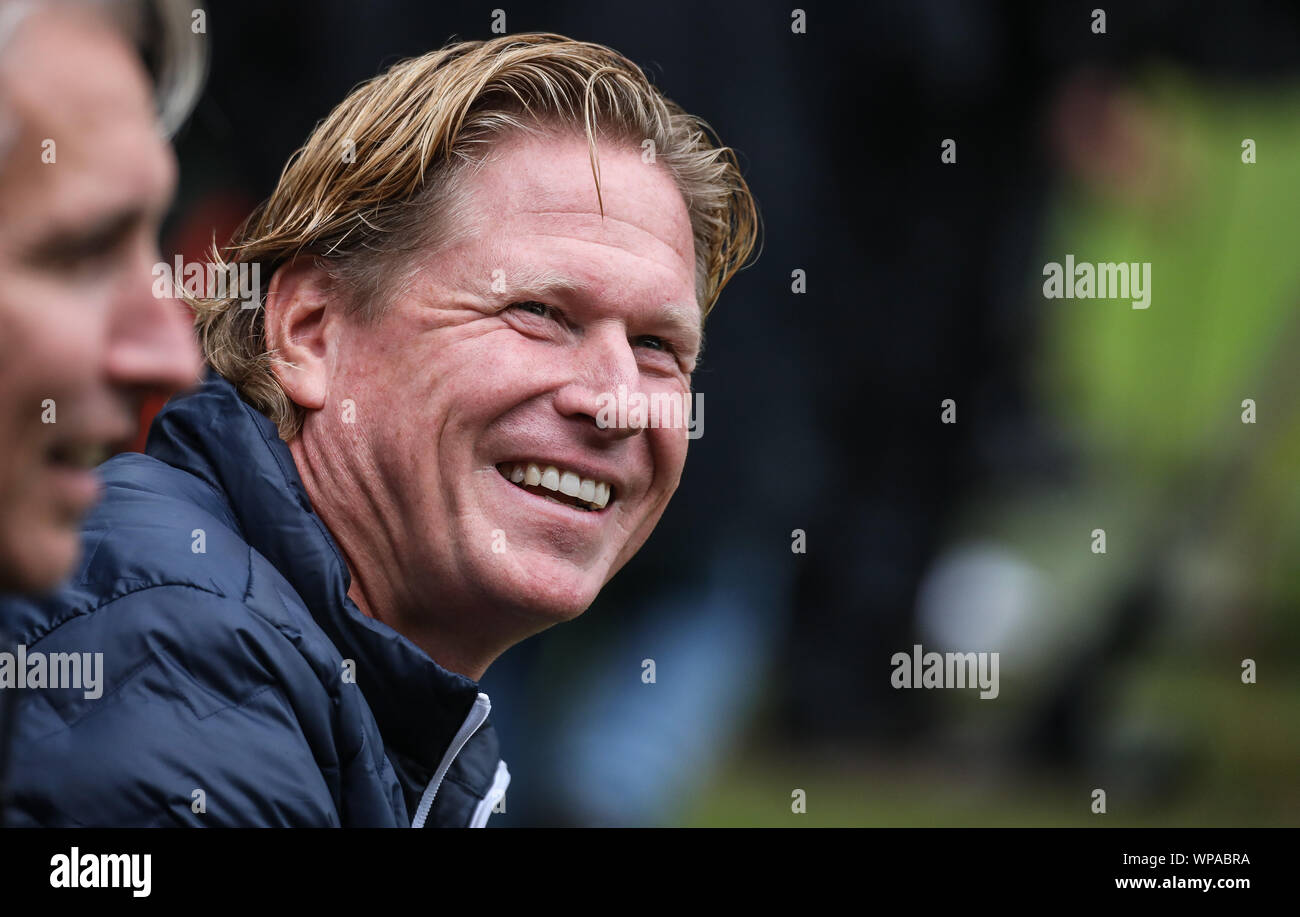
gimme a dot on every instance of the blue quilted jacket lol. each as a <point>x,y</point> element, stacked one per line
<point>239,684</point>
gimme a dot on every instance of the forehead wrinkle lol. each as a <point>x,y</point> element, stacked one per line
<point>688,257</point>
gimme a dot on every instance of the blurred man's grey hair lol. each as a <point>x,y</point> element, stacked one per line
<point>160,30</point>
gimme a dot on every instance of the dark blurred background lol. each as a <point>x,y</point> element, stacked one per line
<point>1120,670</point>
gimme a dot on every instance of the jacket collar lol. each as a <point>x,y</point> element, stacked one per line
<point>214,434</point>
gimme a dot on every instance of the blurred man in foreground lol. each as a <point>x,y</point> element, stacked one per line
<point>85,179</point>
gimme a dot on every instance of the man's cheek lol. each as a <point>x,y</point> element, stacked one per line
<point>670,447</point>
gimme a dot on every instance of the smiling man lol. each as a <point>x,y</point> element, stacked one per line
<point>466,416</point>
<point>85,178</point>
<point>398,467</point>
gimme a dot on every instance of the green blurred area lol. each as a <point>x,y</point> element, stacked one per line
<point>1201,510</point>
<point>1153,398</point>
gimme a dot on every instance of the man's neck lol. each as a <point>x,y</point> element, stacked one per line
<point>380,587</point>
<point>440,646</point>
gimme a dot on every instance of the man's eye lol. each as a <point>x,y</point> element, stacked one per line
<point>80,260</point>
<point>654,343</point>
<point>540,309</point>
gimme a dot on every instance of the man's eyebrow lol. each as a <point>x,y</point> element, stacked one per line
<point>541,282</point>
<point>73,241</point>
<point>681,318</point>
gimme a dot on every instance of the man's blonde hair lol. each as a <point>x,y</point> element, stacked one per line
<point>376,180</point>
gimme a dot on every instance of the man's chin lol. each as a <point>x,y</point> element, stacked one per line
<point>549,596</point>
<point>556,605</point>
<point>38,562</point>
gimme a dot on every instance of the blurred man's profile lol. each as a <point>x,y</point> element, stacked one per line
<point>86,176</point>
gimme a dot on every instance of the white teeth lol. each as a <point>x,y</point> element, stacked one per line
<point>594,493</point>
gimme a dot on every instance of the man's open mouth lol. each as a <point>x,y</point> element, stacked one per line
<point>558,485</point>
<point>78,455</point>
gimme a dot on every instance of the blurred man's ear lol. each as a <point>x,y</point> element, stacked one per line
<point>298,322</point>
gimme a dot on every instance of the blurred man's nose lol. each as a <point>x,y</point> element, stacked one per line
<point>152,345</point>
<point>604,364</point>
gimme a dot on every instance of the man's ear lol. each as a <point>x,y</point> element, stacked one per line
<point>297,325</point>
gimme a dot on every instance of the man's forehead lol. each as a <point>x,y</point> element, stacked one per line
<point>528,265</point>
<point>85,138</point>
<point>66,68</point>
<point>550,178</point>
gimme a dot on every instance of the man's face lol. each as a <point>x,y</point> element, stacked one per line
<point>495,358</point>
<point>81,336</point>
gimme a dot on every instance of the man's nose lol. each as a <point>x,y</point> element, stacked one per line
<point>605,376</point>
<point>151,344</point>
